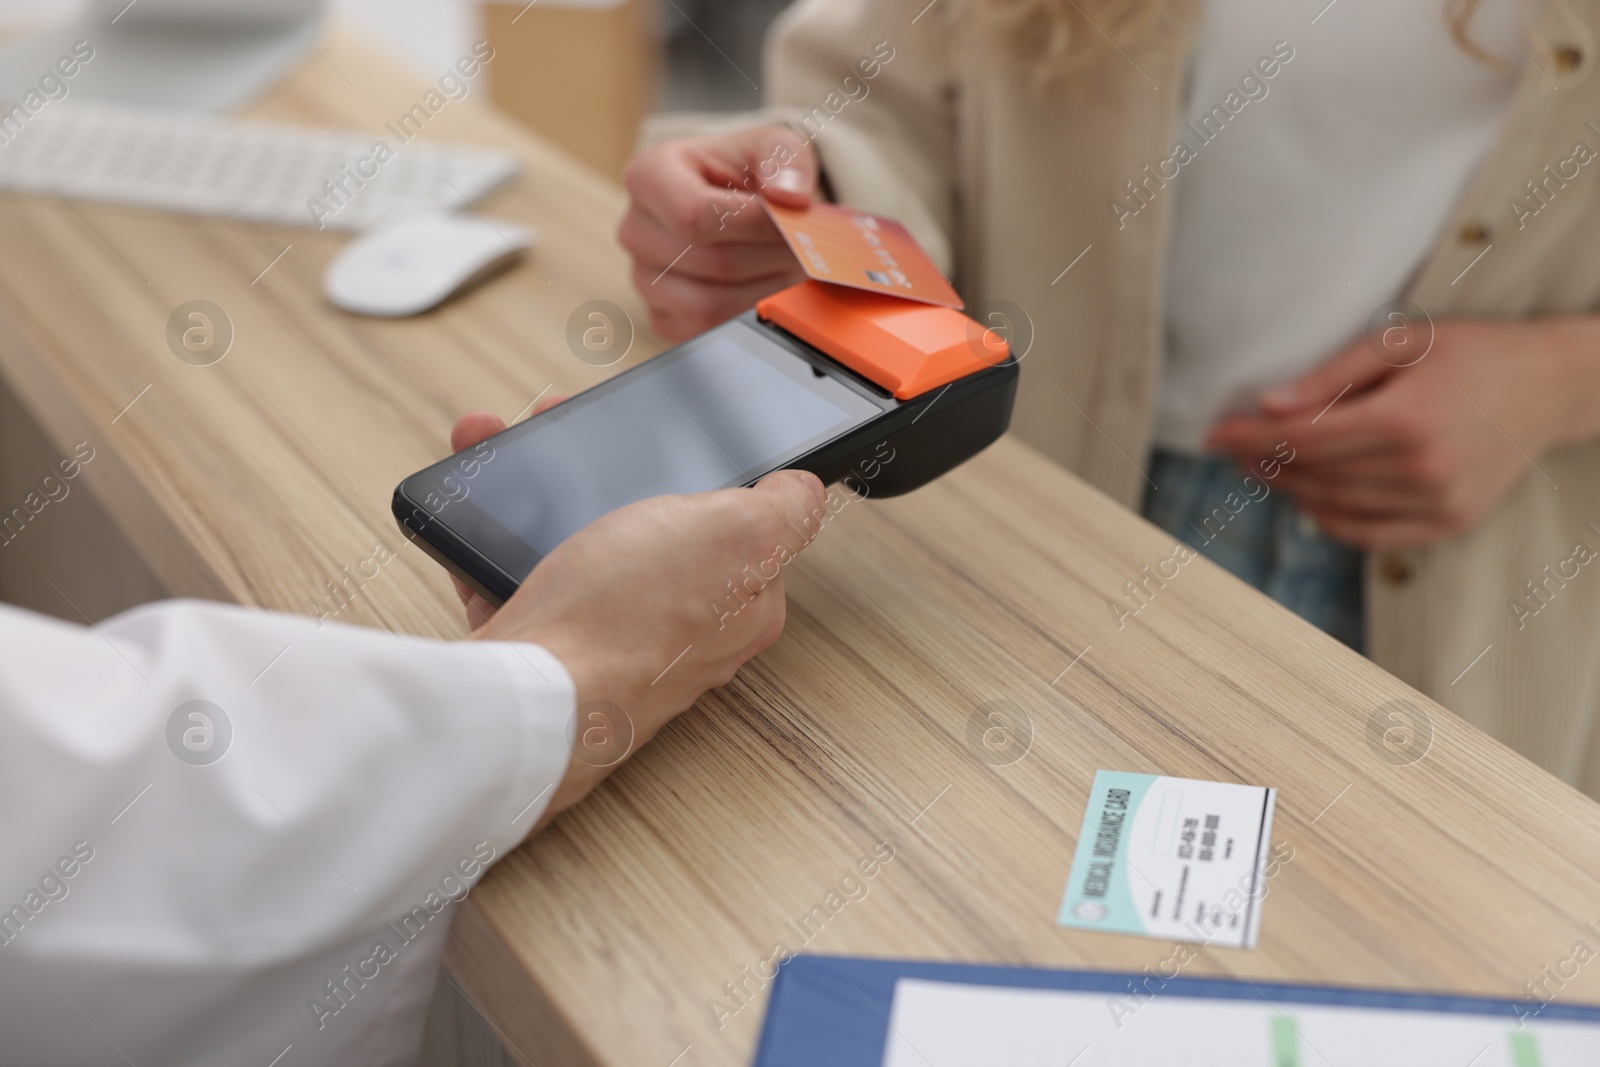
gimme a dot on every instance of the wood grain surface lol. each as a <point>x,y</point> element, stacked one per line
<point>612,938</point>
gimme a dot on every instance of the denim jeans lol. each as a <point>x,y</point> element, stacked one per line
<point>1268,542</point>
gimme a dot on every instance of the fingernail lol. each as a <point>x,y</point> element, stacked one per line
<point>791,180</point>
<point>814,486</point>
<point>1281,397</point>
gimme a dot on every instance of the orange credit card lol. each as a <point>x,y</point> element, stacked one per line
<point>864,251</point>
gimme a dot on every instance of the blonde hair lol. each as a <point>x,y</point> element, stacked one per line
<point>1061,37</point>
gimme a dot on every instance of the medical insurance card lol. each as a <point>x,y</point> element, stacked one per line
<point>1172,858</point>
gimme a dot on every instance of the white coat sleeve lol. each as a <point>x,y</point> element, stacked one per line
<point>228,835</point>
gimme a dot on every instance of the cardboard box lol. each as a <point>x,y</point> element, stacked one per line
<point>579,72</point>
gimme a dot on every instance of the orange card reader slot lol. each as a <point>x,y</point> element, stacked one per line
<point>905,346</point>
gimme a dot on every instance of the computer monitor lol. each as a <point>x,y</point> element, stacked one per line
<point>192,55</point>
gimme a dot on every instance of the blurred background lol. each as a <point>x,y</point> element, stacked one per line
<point>582,72</point>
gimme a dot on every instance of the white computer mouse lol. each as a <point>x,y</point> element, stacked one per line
<point>405,268</point>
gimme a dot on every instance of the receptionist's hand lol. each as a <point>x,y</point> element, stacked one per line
<point>703,247</point>
<point>650,606</point>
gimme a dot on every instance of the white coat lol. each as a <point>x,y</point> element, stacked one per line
<point>230,836</point>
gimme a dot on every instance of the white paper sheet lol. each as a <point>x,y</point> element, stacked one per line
<point>941,1024</point>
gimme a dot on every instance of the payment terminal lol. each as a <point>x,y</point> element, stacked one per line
<point>881,393</point>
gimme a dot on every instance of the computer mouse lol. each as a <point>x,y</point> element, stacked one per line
<point>405,268</point>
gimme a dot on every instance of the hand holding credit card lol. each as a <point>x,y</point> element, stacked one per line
<point>833,376</point>
<point>845,246</point>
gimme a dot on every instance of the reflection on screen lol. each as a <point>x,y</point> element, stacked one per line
<point>712,416</point>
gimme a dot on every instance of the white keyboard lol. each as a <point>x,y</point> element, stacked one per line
<point>204,165</point>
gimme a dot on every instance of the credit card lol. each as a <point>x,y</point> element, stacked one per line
<point>1172,858</point>
<point>845,246</point>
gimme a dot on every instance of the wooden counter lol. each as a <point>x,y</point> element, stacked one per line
<point>609,939</point>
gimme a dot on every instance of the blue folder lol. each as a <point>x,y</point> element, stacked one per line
<point>831,1011</point>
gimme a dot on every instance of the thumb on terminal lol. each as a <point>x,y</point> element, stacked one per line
<point>793,497</point>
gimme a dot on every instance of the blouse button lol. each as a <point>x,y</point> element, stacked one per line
<point>1394,569</point>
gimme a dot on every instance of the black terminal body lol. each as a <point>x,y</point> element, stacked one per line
<point>724,409</point>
